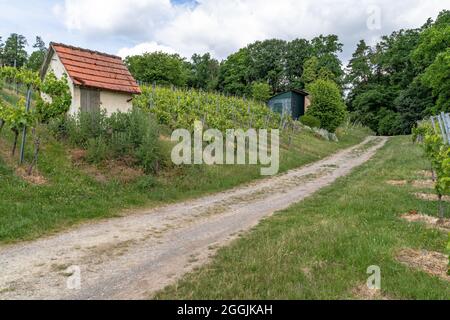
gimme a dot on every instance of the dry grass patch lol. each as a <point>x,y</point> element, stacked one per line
<point>431,197</point>
<point>21,171</point>
<point>428,184</point>
<point>433,263</point>
<point>433,222</point>
<point>35,178</point>
<point>122,170</point>
<point>425,173</point>
<point>363,292</point>
<point>397,182</point>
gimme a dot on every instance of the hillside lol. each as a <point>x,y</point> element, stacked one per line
<point>67,190</point>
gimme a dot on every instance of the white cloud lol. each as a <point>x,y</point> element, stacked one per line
<point>221,27</point>
<point>146,47</point>
<point>131,18</point>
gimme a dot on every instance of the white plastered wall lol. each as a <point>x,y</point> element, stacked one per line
<point>115,101</point>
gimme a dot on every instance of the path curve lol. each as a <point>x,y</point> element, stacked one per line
<point>132,257</point>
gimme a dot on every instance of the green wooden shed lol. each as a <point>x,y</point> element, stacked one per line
<point>293,102</point>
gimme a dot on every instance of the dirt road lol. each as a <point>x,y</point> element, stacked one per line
<point>132,257</point>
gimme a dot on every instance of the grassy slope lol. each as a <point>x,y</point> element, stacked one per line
<point>72,196</point>
<point>335,235</point>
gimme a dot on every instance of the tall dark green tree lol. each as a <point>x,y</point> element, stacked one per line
<point>36,59</point>
<point>204,72</point>
<point>14,53</point>
<point>2,46</point>
<point>310,71</point>
<point>360,66</point>
<point>327,49</point>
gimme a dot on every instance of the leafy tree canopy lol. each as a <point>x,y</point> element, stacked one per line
<point>159,68</point>
<point>204,72</point>
<point>403,79</point>
<point>36,59</point>
<point>14,53</point>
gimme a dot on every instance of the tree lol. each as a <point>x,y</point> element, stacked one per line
<point>234,74</point>
<point>403,79</point>
<point>261,91</point>
<point>368,103</point>
<point>2,46</point>
<point>327,49</point>
<point>327,104</point>
<point>14,53</point>
<point>36,59</point>
<point>159,68</point>
<point>267,63</point>
<point>204,72</point>
<point>437,77</point>
<point>310,71</point>
<point>413,104</point>
<point>432,56</point>
<point>298,52</point>
<point>433,40</point>
<point>360,67</point>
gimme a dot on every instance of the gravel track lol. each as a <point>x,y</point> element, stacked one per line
<point>134,256</point>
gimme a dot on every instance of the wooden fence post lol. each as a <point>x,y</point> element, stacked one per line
<point>24,133</point>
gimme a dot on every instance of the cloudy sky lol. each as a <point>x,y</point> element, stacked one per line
<point>221,27</point>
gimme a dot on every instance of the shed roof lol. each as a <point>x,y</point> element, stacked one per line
<point>298,91</point>
<point>94,69</point>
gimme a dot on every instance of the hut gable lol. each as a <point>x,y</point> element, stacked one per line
<point>96,79</point>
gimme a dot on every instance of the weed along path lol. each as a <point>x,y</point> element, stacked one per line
<point>134,256</point>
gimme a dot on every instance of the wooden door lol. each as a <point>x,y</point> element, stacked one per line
<point>90,100</point>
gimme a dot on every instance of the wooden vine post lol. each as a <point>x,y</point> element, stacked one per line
<point>24,131</point>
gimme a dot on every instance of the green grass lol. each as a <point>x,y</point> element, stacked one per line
<point>9,96</point>
<point>72,196</point>
<point>321,248</point>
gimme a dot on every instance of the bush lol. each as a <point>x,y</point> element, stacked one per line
<point>97,150</point>
<point>327,104</point>
<point>261,91</point>
<point>390,123</point>
<point>310,121</point>
<point>133,134</point>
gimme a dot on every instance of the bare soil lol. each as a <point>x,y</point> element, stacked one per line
<point>134,256</point>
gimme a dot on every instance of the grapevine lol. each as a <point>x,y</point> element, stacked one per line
<point>180,108</point>
<point>439,154</point>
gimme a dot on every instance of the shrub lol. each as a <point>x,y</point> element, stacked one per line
<point>327,104</point>
<point>97,150</point>
<point>310,121</point>
<point>261,91</point>
<point>133,134</point>
<point>389,123</point>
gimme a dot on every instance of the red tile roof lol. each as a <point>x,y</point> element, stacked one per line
<point>95,69</point>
